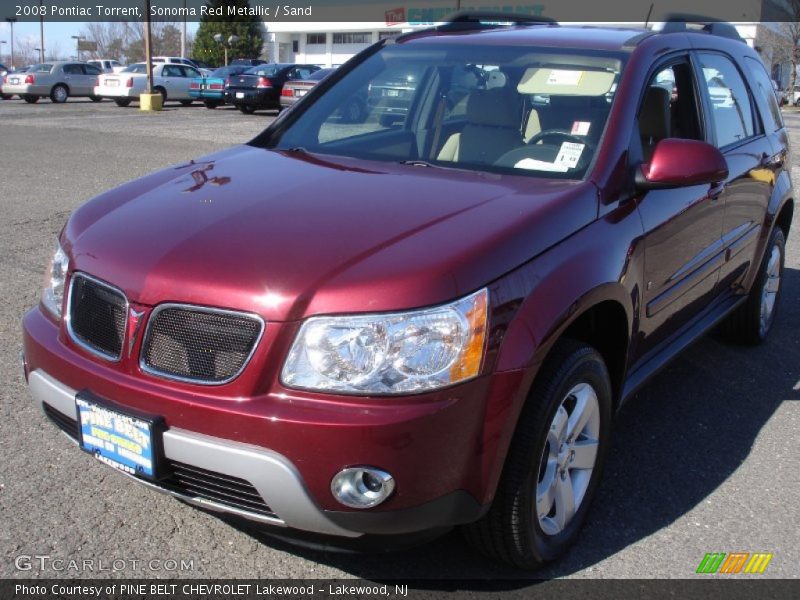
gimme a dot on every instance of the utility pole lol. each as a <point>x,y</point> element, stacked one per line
<point>11,21</point>
<point>183,31</point>
<point>148,47</point>
<point>41,32</point>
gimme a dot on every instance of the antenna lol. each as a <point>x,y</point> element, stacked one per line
<point>649,12</point>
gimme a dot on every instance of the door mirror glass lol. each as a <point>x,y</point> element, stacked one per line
<point>678,163</point>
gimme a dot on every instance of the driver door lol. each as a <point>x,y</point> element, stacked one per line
<point>682,226</point>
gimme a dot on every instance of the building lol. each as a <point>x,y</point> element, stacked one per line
<point>332,44</point>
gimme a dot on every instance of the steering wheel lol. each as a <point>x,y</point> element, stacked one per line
<point>560,133</point>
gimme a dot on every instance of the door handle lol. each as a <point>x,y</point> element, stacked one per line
<point>716,190</point>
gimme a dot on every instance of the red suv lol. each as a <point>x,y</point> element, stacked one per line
<point>395,326</point>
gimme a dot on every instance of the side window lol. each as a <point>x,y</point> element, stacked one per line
<point>731,111</point>
<point>92,70</point>
<point>764,91</point>
<point>73,70</point>
<point>669,108</point>
<point>172,71</point>
<point>303,73</point>
<point>190,72</point>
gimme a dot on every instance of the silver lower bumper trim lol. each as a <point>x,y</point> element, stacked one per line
<point>273,475</point>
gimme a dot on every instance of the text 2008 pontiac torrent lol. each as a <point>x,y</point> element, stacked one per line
<point>403,324</point>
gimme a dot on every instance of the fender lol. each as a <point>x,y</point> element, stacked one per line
<point>603,262</point>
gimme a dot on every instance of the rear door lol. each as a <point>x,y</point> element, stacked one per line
<point>188,73</point>
<point>75,78</point>
<point>92,73</point>
<point>172,79</point>
<point>739,132</point>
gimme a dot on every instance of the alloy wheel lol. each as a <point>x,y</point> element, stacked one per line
<point>568,459</point>
<point>769,292</point>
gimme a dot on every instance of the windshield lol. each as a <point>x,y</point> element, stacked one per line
<point>525,110</point>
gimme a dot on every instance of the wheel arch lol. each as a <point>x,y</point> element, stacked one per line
<point>783,218</point>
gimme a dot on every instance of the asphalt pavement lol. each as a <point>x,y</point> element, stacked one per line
<point>706,459</point>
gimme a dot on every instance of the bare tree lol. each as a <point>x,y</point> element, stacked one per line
<point>124,41</point>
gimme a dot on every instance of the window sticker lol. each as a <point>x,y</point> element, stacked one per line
<point>563,77</point>
<point>569,154</point>
<point>531,164</point>
<point>581,128</point>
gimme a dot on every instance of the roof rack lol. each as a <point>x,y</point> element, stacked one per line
<point>489,19</point>
<point>679,22</point>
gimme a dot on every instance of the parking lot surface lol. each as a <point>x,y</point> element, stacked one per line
<point>704,460</point>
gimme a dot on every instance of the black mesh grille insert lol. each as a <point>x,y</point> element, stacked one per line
<point>222,489</point>
<point>66,424</point>
<point>200,345</point>
<point>97,316</point>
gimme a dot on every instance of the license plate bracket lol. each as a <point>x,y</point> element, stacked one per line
<point>125,439</point>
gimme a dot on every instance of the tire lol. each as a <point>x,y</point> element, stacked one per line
<point>186,102</point>
<point>95,98</point>
<point>163,92</point>
<point>59,94</point>
<point>211,104</point>
<point>247,109</point>
<point>353,112</point>
<point>6,96</point>
<point>30,99</point>
<point>514,531</point>
<point>123,102</point>
<point>751,322</point>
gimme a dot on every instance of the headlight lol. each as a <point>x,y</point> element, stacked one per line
<point>54,277</point>
<point>390,353</point>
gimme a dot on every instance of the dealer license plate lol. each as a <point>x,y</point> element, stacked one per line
<point>299,93</point>
<point>112,82</point>
<point>14,80</point>
<point>240,94</point>
<point>121,441</point>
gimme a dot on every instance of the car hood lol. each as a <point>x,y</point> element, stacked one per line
<point>289,235</point>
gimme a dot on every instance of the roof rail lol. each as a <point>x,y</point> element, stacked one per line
<point>680,22</point>
<point>488,19</point>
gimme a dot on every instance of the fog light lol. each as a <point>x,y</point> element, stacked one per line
<point>362,487</point>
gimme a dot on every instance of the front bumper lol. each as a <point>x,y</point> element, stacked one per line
<point>289,445</point>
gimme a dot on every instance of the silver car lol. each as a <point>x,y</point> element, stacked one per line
<point>57,80</point>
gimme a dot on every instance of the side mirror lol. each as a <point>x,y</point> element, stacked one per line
<point>678,163</point>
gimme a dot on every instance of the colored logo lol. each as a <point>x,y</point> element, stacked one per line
<point>735,562</point>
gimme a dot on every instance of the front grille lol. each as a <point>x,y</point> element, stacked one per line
<point>66,424</point>
<point>97,316</point>
<point>199,345</point>
<point>189,480</point>
<point>222,489</point>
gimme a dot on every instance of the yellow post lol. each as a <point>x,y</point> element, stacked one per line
<point>151,101</point>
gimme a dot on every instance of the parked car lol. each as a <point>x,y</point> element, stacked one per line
<point>354,329</point>
<point>58,80</point>
<point>171,80</point>
<point>260,86</point>
<point>3,73</point>
<point>390,96</point>
<point>294,90</point>
<point>211,89</point>
<point>107,65</point>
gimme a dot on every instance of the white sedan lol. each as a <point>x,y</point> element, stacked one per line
<point>170,80</point>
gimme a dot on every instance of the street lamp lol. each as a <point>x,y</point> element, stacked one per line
<point>226,43</point>
<point>78,39</point>
<point>11,21</point>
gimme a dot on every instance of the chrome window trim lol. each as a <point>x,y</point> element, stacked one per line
<point>194,307</point>
<point>68,317</point>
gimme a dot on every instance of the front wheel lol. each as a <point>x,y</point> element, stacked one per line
<point>31,99</point>
<point>751,322</point>
<point>186,102</point>
<point>95,98</point>
<point>123,102</point>
<point>554,463</point>
<point>247,109</point>
<point>6,96</point>
<point>211,104</point>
